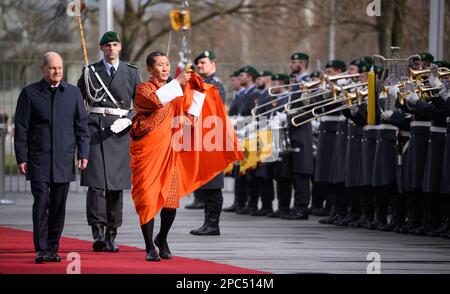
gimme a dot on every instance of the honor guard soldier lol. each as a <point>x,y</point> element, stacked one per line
<point>108,87</point>
<point>210,193</point>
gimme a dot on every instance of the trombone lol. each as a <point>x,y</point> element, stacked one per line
<point>349,97</point>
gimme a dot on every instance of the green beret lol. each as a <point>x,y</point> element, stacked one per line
<point>250,70</point>
<point>281,77</point>
<point>300,56</point>
<point>378,69</point>
<point>315,74</point>
<point>442,63</point>
<point>337,64</point>
<point>205,54</point>
<point>234,74</point>
<point>109,37</point>
<point>426,57</point>
<point>364,67</point>
<point>265,73</point>
<point>368,60</point>
<point>356,62</point>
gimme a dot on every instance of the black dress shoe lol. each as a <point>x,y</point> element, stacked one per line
<point>197,204</point>
<point>297,214</point>
<point>243,210</point>
<point>53,257</point>
<point>231,208</point>
<point>152,255</point>
<point>207,231</point>
<point>263,212</point>
<point>41,257</point>
<point>164,251</point>
<point>253,211</point>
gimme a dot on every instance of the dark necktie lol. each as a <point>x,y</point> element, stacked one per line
<point>112,71</point>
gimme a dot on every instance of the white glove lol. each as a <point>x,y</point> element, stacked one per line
<point>282,116</point>
<point>120,124</point>
<point>343,82</point>
<point>435,82</point>
<point>393,91</point>
<point>412,98</point>
<point>387,115</point>
<point>445,92</point>
<point>354,109</point>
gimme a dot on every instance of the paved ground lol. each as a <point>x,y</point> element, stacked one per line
<point>278,246</point>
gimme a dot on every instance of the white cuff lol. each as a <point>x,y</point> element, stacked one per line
<point>169,91</point>
<point>197,104</point>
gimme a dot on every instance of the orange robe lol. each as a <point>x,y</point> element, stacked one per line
<point>161,174</point>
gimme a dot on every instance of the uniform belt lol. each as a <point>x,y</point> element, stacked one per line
<point>387,127</point>
<point>438,130</point>
<point>405,134</point>
<point>107,110</point>
<point>370,127</point>
<point>332,118</point>
<point>421,124</point>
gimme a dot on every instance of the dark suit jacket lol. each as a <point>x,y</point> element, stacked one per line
<point>47,133</point>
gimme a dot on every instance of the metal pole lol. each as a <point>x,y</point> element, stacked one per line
<point>436,33</point>
<point>106,22</point>
<point>3,200</point>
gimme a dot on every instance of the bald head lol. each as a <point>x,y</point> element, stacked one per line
<point>52,67</point>
<point>51,56</point>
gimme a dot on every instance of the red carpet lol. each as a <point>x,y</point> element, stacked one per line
<point>17,257</point>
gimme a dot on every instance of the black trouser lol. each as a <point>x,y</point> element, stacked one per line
<point>49,210</point>
<point>355,198</point>
<point>240,190</point>
<point>284,192</point>
<point>266,192</point>
<point>383,198</point>
<point>213,199</point>
<point>368,201</point>
<point>252,189</point>
<point>341,198</point>
<point>414,206</point>
<point>399,208</point>
<point>104,207</point>
<point>302,191</point>
<point>317,195</point>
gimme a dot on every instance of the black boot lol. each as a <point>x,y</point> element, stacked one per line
<point>110,236</point>
<point>193,232</point>
<point>147,231</point>
<point>231,208</point>
<point>211,229</point>
<point>98,232</point>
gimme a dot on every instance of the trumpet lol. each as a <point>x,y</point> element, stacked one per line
<point>328,102</point>
<point>304,87</point>
<point>418,75</point>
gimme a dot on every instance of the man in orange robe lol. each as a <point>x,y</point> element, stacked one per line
<point>167,161</point>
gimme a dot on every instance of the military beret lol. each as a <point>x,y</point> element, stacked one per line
<point>250,70</point>
<point>378,69</point>
<point>368,60</point>
<point>337,64</point>
<point>205,54</point>
<point>364,67</point>
<point>426,57</point>
<point>281,77</point>
<point>265,73</point>
<point>234,74</point>
<point>356,62</point>
<point>109,37</point>
<point>299,56</point>
<point>442,63</point>
<point>315,74</point>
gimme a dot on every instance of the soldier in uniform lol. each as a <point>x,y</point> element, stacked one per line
<point>237,89</point>
<point>329,170</point>
<point>249,98</point>
<point>108,88</point>
<point>211,192</point>
<point>301,157</point>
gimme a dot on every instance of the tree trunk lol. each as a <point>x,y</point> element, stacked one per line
<point>384,27</point>
<point>399,17</point>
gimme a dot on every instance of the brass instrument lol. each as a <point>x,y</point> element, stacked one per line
<point>330,101</point>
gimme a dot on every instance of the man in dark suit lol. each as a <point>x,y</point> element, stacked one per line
<point>50,121</point>
<point>211,192</point>
<point>108,87</point>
